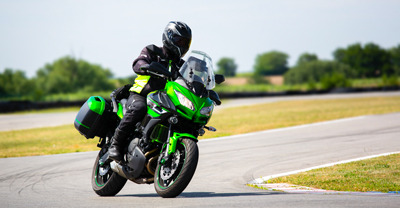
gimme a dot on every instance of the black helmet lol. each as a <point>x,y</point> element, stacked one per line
<point>177,37</point>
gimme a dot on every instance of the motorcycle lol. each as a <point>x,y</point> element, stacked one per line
<point>163,148</point>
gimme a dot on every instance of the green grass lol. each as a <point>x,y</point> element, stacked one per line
<point>376,174</point>
<point>253,118</point>
<point>223,88</point>
<point>76,96</point>
<point>230,121</point>
<point>258,88</point>
<point>371,82</point>
<point>262,187</point>
<point>357,83</point>
<point>44,141</point>
<point>50,110</point>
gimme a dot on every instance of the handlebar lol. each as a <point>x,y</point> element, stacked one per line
<point>157,69</point>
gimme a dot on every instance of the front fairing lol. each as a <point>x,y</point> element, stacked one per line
<point>174,105</point>
<point>186,98</point>
<point>173,88</point>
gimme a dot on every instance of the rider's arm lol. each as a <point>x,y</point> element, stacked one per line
<point>143,59</point>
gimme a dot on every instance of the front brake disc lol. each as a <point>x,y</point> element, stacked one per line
<point>167,172</point>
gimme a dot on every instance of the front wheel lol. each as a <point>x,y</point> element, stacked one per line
<point>106,182</point>
<point>173,177</point>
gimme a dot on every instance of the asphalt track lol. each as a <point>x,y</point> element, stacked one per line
<point>225,166</point>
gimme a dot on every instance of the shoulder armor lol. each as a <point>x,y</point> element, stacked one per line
<point>154,50</point>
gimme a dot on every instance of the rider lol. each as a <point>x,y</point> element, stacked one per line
<point>176,39</point>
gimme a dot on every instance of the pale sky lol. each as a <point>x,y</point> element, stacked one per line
<point>112,33</point>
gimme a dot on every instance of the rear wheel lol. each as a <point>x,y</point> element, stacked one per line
<point>106,182</point>
<point>172,178</point>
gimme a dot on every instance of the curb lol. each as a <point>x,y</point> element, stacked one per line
<point>303,189</point>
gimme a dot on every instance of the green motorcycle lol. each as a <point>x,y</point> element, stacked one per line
<point>163,149</point>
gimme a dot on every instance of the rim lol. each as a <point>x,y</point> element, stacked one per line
<point>102,175</point>
<point>166,176</point>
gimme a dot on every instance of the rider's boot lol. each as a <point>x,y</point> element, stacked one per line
<point>118,143</point>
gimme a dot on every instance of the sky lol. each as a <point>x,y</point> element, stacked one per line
<point>112,33</point>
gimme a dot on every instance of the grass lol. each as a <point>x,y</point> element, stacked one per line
<point>44,141</point>
<point>223,88</point>
<point>378,174</point>
<point>231,121</point>
<point>75,96</point>
<point>356,83</point>
<point>50,110</point>
<point>258,88</point>
<point>253,118</point>
<point>262,187</point>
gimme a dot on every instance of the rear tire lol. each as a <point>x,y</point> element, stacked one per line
<point>171,181</point>
<point>106,182</point>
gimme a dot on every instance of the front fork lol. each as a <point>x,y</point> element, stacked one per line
<point>172,142</point>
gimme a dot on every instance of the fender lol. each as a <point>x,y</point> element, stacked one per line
<point>174,140</point>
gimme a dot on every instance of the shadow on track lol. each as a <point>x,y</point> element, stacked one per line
<point>206,194</point>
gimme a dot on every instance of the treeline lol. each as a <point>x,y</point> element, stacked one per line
<point>70,75</point>
<point>353,62</point>
<point>65,75</point>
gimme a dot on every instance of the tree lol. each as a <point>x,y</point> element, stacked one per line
<point>15,83</point>
<point>395,59</point>
<point>119,82</point>
<point>307,57</point>
<point>314,71</point>
<point>368,61</point>
<point>334,80</point>
<point>68,74</point>
<point>227,67</point>
<point>271,63</point>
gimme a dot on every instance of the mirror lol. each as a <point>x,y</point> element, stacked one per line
<point>214,96</point>
<point>219,78</point>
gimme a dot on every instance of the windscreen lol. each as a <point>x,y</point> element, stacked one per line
<point>198,69</point>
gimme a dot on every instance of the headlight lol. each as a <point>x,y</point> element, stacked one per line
<point>184,100</point>
<point>206,111</point>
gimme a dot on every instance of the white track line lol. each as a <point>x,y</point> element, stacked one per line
<point>266,178</point>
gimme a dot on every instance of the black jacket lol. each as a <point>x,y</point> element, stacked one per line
<point>154,53</point>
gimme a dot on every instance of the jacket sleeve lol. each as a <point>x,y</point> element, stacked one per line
<point>144,58</point>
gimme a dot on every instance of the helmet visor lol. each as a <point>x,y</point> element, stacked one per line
<point>182,42</point>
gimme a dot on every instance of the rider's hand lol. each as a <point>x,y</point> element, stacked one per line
<point>145,67</point>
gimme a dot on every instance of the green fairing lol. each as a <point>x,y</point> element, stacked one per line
<point>152,113</point>
<point>198,103</point>
<point>174,140</point>
<point>120,112</point>
<point>96,104</point>
<point>183,111</point>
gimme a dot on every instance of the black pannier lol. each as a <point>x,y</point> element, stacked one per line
<point>93,118</point>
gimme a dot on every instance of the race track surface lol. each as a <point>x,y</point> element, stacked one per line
<point>225,166</point>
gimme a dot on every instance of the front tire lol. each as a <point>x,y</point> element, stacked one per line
<point>170,181</point>
<point>106,182</point>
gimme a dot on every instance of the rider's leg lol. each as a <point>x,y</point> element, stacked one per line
<point>136,110</point>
